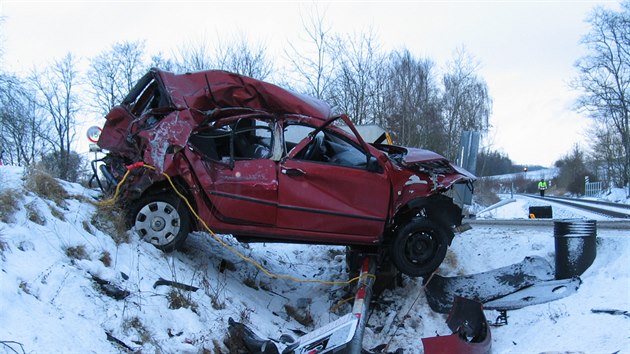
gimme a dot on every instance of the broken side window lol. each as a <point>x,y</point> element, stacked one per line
<point>326,146</point>
<point>340,151</point>
<point>293,134</point>
<point>244,140</point>
<point>252,139</point>
<point>212,143</point>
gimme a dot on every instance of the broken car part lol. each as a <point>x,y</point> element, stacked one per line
<point>471,333</point>
<point>442,291</point>
<point>538,293</point>
<point>342,335</point>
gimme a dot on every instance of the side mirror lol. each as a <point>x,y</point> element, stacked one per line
<point>373,165</point>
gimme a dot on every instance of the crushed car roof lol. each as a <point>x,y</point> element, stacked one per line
<point>211,89</point>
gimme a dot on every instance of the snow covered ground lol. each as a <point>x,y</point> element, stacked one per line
<point>51,301</point>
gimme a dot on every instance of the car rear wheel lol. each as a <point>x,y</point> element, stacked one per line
<point>162,220</point>
<point>419,247</point>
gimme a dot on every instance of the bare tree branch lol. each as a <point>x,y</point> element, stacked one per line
<point>604,82</point>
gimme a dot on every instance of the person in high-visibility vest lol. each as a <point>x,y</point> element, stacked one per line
<point>542,185</point>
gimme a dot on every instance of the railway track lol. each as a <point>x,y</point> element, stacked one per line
<point>617,215</point>
<point>607,209</point>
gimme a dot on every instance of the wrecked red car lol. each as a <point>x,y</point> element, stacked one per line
<point>266,164</point>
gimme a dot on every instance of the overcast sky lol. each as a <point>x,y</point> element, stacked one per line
<point>526,48</point>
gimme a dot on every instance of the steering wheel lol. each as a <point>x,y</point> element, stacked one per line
<point>314,150</point>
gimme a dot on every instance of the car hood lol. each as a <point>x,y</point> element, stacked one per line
<point>415,155</point>
<point>433,163</point>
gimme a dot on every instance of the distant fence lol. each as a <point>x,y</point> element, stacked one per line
<point>593,189</point>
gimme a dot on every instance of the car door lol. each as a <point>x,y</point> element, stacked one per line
<point>240,175</point>
<point>335,199</point>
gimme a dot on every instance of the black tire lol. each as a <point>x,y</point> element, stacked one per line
<point>162,220</point>
<point>419,247</point>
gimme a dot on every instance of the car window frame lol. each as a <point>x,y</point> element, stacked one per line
<point>228,128</point>
<point>301,146</point>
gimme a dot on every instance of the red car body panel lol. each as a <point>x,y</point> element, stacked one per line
<point>361,210</point>
<point>207,90</point>
<point>282,196</point>
<point>471,331</point>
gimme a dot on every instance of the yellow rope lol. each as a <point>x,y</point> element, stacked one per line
<point>340,303</point>
<point>220,241</point>
<point>112,200</point>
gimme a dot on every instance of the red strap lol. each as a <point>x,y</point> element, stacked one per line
<point>133,166</point>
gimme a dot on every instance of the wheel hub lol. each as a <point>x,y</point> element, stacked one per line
<point>158,223</point>
<point>420,247</point>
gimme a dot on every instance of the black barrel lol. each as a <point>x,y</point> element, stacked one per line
<point>576,246</point>
<point>540,212</point>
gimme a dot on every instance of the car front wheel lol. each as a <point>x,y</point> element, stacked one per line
<point>419,247</point>
<point>162,220</point>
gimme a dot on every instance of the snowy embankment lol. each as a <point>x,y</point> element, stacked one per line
<point>68,287</point>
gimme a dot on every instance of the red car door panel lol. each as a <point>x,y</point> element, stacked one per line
<point>332,199</point>
<point>245,194</point>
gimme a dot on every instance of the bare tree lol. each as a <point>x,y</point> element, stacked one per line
<point>114,72</point>
<point>193,56</point>
<point>572,171</point>
<point>604,76</point>
<point>160,61</point>
<point>20,124</point>
<point>607,152</point>
<point>359,79</point>
<point>412,102</point>
<point>466,102</point>
<point>314,63</point>
<point>55,88</point>
<point>241,57</point>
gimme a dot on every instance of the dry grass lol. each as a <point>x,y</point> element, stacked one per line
<point>485,193</point>
<point>4,246</point>
<point>33,214</point>
<point>86,226</point>
<point>137,325</point>
<point>77,252</point>
<point>9,205</point>
<point>178,299</point>
<point>106,258</point>
<point>110,219</point>
<point>57,213</point>
<point>25,287</point>
<point>251,282</point>
<point>45,186</point>
<point>302,317</point>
